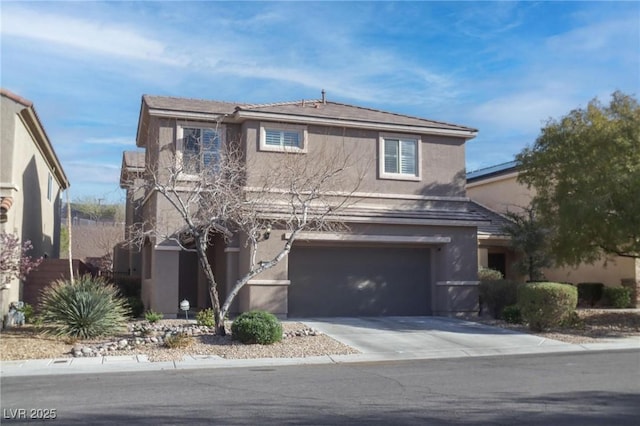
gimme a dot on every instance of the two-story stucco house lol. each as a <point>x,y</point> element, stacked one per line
<point>31,180</point>
<point>411,243</point>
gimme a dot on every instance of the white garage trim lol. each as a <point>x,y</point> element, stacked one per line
<point>403,239</point>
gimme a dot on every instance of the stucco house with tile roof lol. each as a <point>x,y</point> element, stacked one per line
<point>31,181</point>
<point>497,189</point>
<point>411,243</point>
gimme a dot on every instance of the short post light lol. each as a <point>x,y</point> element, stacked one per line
<point>184,305</point>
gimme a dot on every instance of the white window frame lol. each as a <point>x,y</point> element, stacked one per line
<point>282,127</point>
<point>180,126</point>
<point>383,174</point>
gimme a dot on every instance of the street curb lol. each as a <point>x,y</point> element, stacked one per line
<point>140,363</point>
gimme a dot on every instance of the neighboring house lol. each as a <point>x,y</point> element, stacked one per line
<point>497,189</point>
<point>92,243</point>
<point>127,259</point>
<point>494,245</point>
<point>31,180</point>
<point>411,248</point>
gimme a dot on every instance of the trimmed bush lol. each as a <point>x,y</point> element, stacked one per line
<point>486,274</point>
<point>512,314</point>
<point>618,297</point>
<point>497,294</point>
<point>590,293</point>
<point>205,318</point>
<point>90,307</point>
<point>545,305</point>
<point>256,327</point>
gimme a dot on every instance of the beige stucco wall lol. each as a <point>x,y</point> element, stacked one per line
<point>24,176</point>
<point>610,273</point>
<point>501,193</point>
<point>442,165</point>
<point>504,193</point>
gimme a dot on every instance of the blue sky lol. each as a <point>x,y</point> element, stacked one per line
<point>503,68</point>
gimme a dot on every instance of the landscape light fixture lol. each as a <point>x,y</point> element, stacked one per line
<point>184,305</point>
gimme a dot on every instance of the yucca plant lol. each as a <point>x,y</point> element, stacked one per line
<point>89,307</point>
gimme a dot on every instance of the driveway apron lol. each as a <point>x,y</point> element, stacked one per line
<point>420,336</point>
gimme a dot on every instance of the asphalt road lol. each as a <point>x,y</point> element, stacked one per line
<point>596,388</point>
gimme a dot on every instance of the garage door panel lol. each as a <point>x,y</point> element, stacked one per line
<point>364,281</point>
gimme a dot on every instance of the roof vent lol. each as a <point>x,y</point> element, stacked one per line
<point>324,99</point>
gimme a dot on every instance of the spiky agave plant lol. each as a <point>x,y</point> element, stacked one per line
<point>89,307</point>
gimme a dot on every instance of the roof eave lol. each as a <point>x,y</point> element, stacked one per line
<point>305,119</point>
<point>31,119</point>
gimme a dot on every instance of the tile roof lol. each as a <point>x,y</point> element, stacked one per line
<point>133,159</point>
<point>495,222</point>
<point>303,108</point>
<point>190,105</point>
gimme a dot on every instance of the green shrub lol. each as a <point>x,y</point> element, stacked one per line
<point>497,294</point>
<point>512,314</point>
<point>618,297</point>
<point>90,307</point>
<point>544,305</point>
<point>486,274</point>
<point>178,341</point>
<point>256,327</point>
<point>28,312</point>
<point>135,306</point>
<point>590,293</point>
<point>205,318</point>
<point>153,316</point>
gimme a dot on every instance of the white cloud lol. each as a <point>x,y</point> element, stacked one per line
<point>521,111</point>
<point>92,36</point>
<point>124,140</point>
<point>612,37</point>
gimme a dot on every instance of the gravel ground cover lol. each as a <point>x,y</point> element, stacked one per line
<point>28,342</point>
<point>596,325</point>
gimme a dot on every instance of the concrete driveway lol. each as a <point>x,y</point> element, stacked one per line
<point>392,338</point>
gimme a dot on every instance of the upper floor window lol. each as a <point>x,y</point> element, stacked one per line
<point>400,157</point>
<point>198,147</point>
<point>283,137</point>
<point>50,187</point>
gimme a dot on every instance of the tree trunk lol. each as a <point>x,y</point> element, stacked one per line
<point>260,269</point>
<point>201,249</point>
<point>71,279</point>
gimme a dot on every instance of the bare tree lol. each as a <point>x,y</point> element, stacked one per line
<point>227,195</point>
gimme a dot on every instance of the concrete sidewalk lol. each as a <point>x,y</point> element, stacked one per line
<point>378,339</point>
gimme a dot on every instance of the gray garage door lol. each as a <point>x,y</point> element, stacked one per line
<point>358,281</point>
